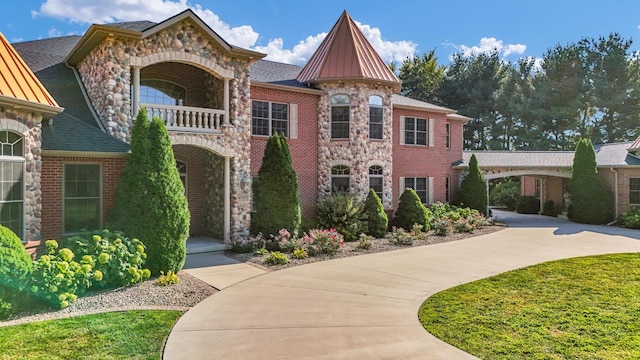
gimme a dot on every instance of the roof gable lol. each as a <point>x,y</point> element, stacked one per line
<point>345,54</point>
<point>19,85</point>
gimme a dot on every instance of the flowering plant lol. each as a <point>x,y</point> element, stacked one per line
<point>323,241</point>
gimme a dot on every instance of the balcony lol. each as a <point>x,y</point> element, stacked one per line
<point>188,119</point>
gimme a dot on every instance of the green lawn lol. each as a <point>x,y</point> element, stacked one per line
<point>581,308</point>
<point>115,335</point>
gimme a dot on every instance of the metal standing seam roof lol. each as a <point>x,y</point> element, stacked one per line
<point>18,81</point>
<point>346,54</point>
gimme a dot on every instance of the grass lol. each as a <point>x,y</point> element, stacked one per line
<point>580,308</point>
<point>115,335</point>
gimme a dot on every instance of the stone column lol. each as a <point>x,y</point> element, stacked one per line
<point>136,91</point>
<point>227,200</point>
<point>226,101</point>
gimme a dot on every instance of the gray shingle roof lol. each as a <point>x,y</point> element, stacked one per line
<point>607,155</point>
<point>75,129</point>
<point>133,25</point>
<point>406,101</point>
<point>276,73</point>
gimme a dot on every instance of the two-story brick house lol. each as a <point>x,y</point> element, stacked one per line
<point>345,123</point>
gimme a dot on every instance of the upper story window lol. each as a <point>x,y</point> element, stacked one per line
<point>448,138</point>
<point>375,117</point>
<point>634,191</point>
<point>340,105</point>
<point>162,92</point>
<point>415,131</point>
<point>376,179</point>
<point>340,181</point>
<point>268,118</point>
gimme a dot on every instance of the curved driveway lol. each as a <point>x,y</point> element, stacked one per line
<point>365,307</point>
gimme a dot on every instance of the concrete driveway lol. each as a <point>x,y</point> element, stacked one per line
<point>366,307</point>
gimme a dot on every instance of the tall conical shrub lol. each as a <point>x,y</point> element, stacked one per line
<point>150,201</point>
<point>473,190</point>
<point>411,211</point>
<point>591,201</point>
<point>275,191</point>
<point>374,219</point>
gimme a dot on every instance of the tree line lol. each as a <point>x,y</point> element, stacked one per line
<point>588,89</point>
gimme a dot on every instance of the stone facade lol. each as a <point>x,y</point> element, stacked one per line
<point>29,125</point>
<point>107,74</point>
<point>358,152</point>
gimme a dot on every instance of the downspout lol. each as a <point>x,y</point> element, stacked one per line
<point>615,194</point>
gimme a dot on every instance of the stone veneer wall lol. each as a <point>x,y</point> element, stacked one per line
<point>215,191</point>
<point>357,152</point>
<point>107,76</point>
<point>29,125</point>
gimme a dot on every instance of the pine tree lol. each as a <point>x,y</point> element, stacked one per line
<point>275,192</point>
<point>150,202</point>
<point>374,219</point>
<point>591,201</point>
<point>411,211</point>
<point>473,190</point>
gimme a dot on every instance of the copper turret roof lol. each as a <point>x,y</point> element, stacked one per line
<point>345,54</point>
<point>18,84</point>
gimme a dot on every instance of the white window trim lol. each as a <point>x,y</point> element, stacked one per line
<point>292,119</point>
<point>430,131</point>
<point>430,187</point>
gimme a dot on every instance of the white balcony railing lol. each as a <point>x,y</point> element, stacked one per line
<point>188,119</point>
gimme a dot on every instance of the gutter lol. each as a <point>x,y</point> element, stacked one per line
<point>615,196</point>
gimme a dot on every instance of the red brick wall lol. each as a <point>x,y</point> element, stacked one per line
<point>196,185</point>
<point>426,161</point>
<point>528,185</point>
<point>52,182</point>
<point>304,149</point>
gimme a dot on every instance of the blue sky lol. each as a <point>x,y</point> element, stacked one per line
<point>290,30</point>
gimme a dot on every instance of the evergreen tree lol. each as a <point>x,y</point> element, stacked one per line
<point>411,211</point>
<point>150,201</point>
<point>275,192</point>
<point>591,201</point>
<point>473,190</point>
<point>374,219</point>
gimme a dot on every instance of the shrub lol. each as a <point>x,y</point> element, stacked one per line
<point>549,208</point>
<point>276,258</point>
<point>150,201</point>
<point>506,193</point>
<point>630,219</point>
<point>300,253</point>
<point>275,191</point>
<point>591,201</point>
<point>261,251</point>
<point>286,242</point>
<point>15,262</point>
<point>442,226</point>
<point>528,205</point>
<point>411,211</point>
<point>398,236</point>
<point>374,219</point>
<point>342,213</point>
<point>364,242</point>
<point>418,233</point>
<point>464,225</point>
<point>119,259</point>
<point>323,241</point>
<point>247,245</point>
<point>170,278</point>
<point>473,190</point>
<point>57,278</point>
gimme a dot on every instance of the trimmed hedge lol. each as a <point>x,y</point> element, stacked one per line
<point>15,262</point>
<point>374,219</point>
<point>473,190</point>
<point>411,211</point>
<point>528,205</point>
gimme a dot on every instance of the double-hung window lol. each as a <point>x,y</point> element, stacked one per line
<point>12,182</point>
<point>415,131</point>
<point>340,105</point>
<point>634,191</point>
<point>419,185</point>
<point>82,197</point>
<point>268,118</point>
<point>375,117</point>
<point>376,179</point>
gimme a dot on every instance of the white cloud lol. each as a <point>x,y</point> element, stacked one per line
<point>101,12</point>
<point>488,45</point>
<point>53,32</point>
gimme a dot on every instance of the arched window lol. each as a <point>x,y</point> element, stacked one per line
<point>375,117</point>
<point>375,179</point>
<point>12,182</point>
<point>154,91</point>
<point>340,116</point>
<point>340,179</point>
